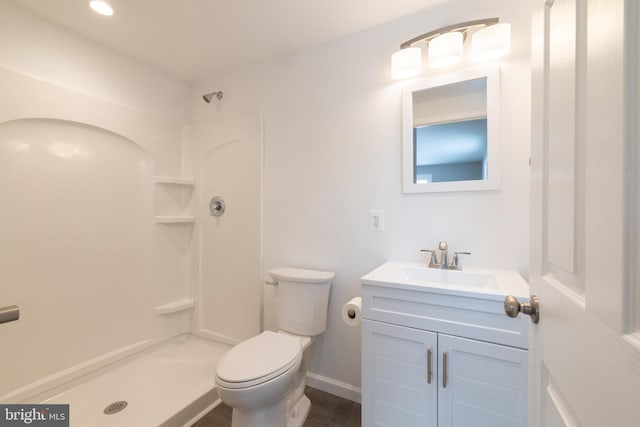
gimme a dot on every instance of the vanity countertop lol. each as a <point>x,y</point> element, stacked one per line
<point>479,283</point>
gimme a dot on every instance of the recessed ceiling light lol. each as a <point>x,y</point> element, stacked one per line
<point>101,7</point>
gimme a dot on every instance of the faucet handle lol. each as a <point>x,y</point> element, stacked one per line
<point>442,245</point>
<point>433,260</point>
<point>456,259</point>
<point>433,253</point>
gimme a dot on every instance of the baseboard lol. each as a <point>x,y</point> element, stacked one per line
<point>335,387</point>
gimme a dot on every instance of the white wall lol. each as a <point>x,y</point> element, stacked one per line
<point>332,153</point>
<point>48,73</point>
<point>36,48</point>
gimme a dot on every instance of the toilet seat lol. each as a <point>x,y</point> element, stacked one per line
<point>258,360</point>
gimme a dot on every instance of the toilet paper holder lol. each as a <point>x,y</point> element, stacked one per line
<point>352,312</point>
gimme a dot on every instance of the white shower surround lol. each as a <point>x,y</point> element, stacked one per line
<point>116,112</point>
<point>77,245</point>
<point>226,157</point>
<point>99,182</point>
<point>57,78</point>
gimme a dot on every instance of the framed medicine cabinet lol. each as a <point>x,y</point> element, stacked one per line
<point>451,133</point>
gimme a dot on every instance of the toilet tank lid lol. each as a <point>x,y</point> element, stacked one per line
<point>301,275</point>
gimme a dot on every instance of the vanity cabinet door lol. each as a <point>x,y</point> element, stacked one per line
<point>485,385</point>
<point>396,390</point>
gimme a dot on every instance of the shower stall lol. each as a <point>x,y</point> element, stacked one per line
<point>128,289</point>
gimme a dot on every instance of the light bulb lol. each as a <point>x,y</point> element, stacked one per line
<point>491,42</point>
<point>445,50</point>
<point>406,63</point>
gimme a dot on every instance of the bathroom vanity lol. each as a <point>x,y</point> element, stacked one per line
<point>438,350</point>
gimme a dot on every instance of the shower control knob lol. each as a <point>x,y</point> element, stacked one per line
<point>216,206</point>
<point>513,307</point>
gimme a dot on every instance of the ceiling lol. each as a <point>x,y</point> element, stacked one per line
<point>192,38</point>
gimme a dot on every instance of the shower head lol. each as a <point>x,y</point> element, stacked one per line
<point>208,96</point>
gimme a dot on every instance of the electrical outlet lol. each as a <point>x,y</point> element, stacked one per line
<point>376,220</point>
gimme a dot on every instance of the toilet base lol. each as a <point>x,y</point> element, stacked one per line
<point>273,414</point>
<point>299,414</point>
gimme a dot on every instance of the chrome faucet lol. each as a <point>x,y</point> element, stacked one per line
<point>440,258</point>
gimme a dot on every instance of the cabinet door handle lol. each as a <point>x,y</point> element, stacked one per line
<point>429,365</point>
<point>445,363</point>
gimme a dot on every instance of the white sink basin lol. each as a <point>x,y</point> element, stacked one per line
<point>416,276</point>
<point>446,277</point>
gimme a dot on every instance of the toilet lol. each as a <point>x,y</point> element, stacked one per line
<point>263,378</point>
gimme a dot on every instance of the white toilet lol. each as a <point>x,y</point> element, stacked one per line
<point>263,378</point>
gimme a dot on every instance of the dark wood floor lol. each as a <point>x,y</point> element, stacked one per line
<point>327,410</point>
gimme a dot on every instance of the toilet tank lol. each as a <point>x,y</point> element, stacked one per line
<point>303,298</point>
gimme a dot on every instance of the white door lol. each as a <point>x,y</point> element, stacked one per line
<point>585,351</point>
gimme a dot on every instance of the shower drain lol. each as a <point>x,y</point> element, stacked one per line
<point>115,407</point>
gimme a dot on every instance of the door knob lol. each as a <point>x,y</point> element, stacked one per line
<point>512,307</point>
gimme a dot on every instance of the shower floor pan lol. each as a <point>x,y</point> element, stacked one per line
<point>170,385</point>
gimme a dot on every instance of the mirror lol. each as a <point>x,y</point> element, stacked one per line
<point>451,133</point>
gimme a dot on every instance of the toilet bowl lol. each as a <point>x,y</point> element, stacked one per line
<point>263,378</point>
<point>255,376</point>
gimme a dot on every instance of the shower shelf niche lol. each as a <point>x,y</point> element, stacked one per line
<point>175,219</point>
<point>175,189</point>
<point>175,181</point>
<point>174,306</point>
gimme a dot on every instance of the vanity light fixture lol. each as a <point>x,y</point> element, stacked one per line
<point>101,7</point>
<point>491,42</point>
<point>445,46</point>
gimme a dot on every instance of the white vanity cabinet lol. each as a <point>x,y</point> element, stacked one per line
<point>395,388</point>
<point>439,357</point>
